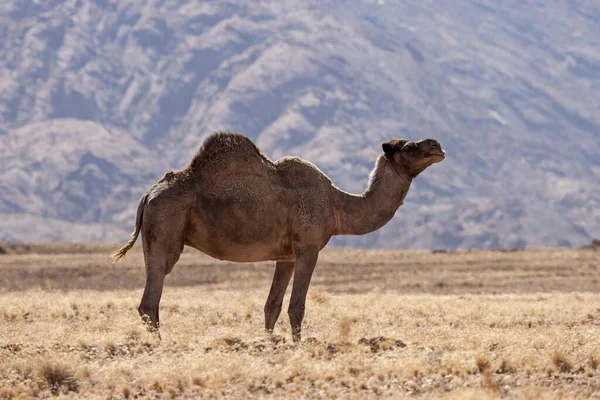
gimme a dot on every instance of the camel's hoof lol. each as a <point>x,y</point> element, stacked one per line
<point>276,339</point>
<point>151,326</point>
<point>296,334</point>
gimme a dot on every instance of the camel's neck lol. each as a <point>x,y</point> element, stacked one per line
<point>367,212</point>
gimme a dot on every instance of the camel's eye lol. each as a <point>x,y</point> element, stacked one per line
<point>410,147</point>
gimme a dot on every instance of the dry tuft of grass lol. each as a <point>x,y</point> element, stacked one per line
<point>318,296</point>
<point>506,367</point>
<point>345,328</point>
<point>489,383</point>
<point>482,363</point>
<point>59,377</point>
<point>111,349</point>
<point>561,362</point>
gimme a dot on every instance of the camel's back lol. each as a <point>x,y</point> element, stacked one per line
<point>229,165</point>
<point>294,172</point>
<point>229,157</point>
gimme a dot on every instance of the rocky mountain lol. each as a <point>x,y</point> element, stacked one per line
<point>99,98</point>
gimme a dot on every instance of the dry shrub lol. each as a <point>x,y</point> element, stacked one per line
<point>561,362</point>
<point>58,376</point>
<point>482,363</point>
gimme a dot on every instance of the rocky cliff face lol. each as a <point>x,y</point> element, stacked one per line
<point>99,98</point>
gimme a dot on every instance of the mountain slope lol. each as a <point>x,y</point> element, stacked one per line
<point>98,99</point>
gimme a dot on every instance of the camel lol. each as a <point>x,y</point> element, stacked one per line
<point>233,203</point>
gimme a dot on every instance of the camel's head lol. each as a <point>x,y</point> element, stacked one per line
<point>413,157</point>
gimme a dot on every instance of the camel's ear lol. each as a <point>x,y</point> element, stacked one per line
<point>394,145</point>
<point>388,148</point>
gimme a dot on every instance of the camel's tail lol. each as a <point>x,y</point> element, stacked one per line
<point>138,226</point>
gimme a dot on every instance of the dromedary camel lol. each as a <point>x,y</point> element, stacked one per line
<point>233,203</point>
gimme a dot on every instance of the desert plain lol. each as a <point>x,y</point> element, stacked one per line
<point>378,323</point>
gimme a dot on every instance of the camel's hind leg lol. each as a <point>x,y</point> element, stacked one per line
<point>281,279</point>
<point>157,267</point>
<point>162,236</point>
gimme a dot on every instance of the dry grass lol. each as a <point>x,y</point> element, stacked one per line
<point>482,363</point>
<point>561,362</point>
<point>59,377</point>
<point>363,336</point>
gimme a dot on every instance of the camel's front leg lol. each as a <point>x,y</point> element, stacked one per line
<point>306,259</point>
<point>281,278</point>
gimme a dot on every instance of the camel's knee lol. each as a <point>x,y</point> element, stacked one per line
<point>296,314</point>
<point>272,311</point>
<point>273,306</point>
<point>296,308</point>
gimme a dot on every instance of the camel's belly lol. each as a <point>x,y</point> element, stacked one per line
<point>243,254</point>
<point>241,233</point>
<point>223,248</point>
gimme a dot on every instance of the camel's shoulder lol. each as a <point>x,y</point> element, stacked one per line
<point>297,172</point>
<point>228,150</point>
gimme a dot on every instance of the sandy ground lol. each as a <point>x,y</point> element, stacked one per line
<point>516,324</point>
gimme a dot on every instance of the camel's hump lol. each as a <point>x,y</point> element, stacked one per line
<point>224,150</point>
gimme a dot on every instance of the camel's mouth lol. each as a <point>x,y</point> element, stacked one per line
<point>440,153</point>
<point>435,150</point>
<point>437,156</point>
